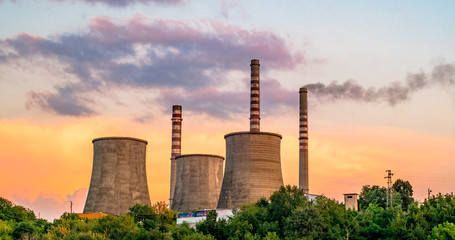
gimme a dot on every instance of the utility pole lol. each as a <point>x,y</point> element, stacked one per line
<point>71,206</point>
<point>429,191</point>
<point>389,183</point>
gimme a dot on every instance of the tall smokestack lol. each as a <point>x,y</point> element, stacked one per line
<point>254,99</point>
<point>176,146</point>
<point>303,141</point>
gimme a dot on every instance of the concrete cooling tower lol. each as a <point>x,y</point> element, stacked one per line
<point>253,159</point>
<point>253,168</point>
<point>119,177</point>
<point>198,182</point>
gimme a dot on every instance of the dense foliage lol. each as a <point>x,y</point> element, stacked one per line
<point>287,214</point>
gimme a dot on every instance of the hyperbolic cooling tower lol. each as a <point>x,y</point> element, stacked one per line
<point>253,162</point>
<point>198,182</point>
<point>176,146</point>
<point>303,142</point>
<point>119,177</point>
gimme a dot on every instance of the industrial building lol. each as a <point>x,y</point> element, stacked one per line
<point>253,159</point>
<point>351,201</point>
<point>198,182</point>
<point>195,178</point>
<point>119,179</point>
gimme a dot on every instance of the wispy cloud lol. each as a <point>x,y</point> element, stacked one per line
<point>121,3</point>
<point>61,103</point>
<point>166,55</point>
<point>442,75</point>
<point>230,6</point>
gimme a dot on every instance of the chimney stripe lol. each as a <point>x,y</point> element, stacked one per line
<point>254,97</point>
<point>175,146</point>
<point>303,141</point>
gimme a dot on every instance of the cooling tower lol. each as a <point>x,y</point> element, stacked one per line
<point>119,178</point>
<point>198,182</point>
<point>176,146</point>
<point>253,162</point>
<point>253,168</point>
<point>303,141</point>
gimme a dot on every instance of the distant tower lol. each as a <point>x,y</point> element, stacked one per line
<point>253,159</point>
<point>119,179</point>
<point>303,142</point>
<point>350,201</point>
<point>176,146</point>
<point>198,182</point>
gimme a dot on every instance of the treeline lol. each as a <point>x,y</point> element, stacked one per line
<point>287,214</point>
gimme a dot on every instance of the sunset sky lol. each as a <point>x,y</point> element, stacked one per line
<point>380,74</point>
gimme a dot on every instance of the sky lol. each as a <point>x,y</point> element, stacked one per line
<point>380,75</point>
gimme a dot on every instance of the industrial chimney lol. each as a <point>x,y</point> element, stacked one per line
<point>253,158</point>
<point>303,141</point>
<point>176,146</point>
<point>254,98</point>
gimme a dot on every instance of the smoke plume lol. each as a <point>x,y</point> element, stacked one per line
<point>442,75</point>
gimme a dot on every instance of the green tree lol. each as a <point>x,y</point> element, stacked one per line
<point>210,226</point>
<point>282,204</point>
<point>152,234</point>
<point>8,211</point>
<point>179,232</point>
<point>439,209</point>
<point>166,217</point>
<point>416,223</point>
<point>6,229</point>
<point>271,236</point>
<point>199,236</point>
<point>372,195</point>
<point>116,227</point>
<point>303,222</point>
<point>445,231</point>
<point>84,236</point>
<point>404,188</point>
<point>25,230</point>
<point>144,215</point>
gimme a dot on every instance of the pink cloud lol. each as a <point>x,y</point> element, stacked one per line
<point>50,205</point>
<point>211,35</point>
<point>273,92</point>
<point>123,3</point>
<point>174,54</point>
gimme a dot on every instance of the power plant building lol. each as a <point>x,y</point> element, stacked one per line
<point>119,178</point>
<point>198,182</point>
<point>253,159</point>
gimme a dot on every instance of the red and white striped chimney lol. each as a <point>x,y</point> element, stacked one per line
<point>303,141</point>
<point>254,98</point>
<point>176,146</point>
